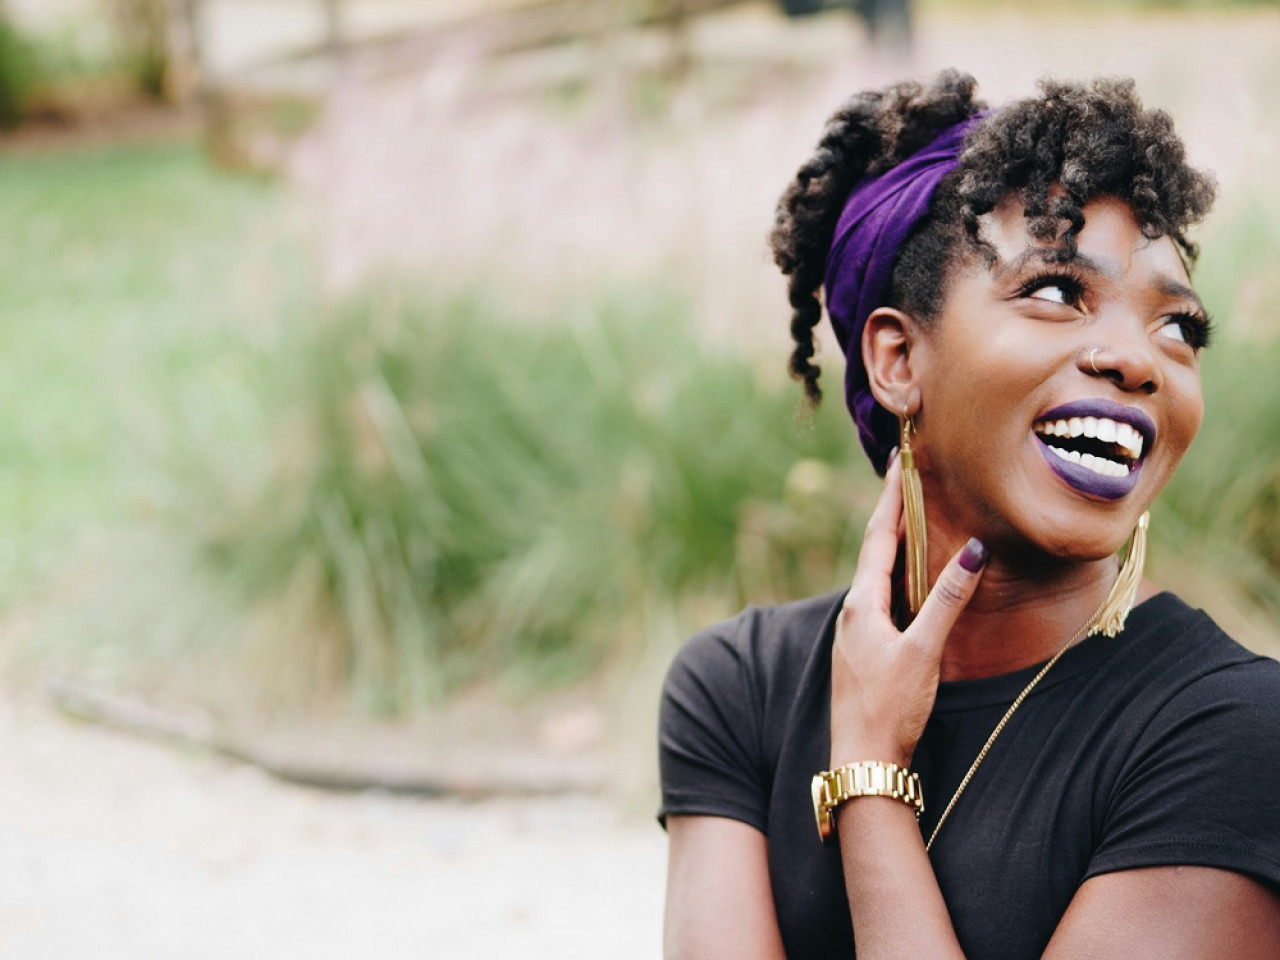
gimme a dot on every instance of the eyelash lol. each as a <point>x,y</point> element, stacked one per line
<point>1196,327</point>
<point>1072,284</point>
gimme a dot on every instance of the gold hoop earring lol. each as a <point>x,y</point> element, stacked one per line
<point>913,513</point>
<point>1115,609</point>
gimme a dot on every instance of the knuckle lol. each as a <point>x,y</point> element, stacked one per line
<point>854,599</point>
<point>950,593</point>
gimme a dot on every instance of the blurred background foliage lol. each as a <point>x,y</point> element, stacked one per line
<point>481,385</point>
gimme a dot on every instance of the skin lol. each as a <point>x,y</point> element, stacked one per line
<point>998,356</point>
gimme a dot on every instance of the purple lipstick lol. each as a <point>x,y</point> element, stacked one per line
<point>1096,446</point>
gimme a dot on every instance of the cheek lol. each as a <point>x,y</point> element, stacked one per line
<point>987,366</point>
<point>975,405</point>
<point>1189,415</point>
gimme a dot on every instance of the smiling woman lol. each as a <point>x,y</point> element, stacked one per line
<point>1010,290</point>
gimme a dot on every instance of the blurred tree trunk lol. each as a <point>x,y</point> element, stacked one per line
<point>187,75</point>
<point>143,37</point>
<point>674,15</point>
<point>335,36</point>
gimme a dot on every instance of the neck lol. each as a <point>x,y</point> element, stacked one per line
<point>1020,615</point>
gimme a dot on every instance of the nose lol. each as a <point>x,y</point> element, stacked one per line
<point>1129,361</point>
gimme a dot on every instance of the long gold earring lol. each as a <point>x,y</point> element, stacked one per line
<point>1115,609</point>
<point>913,511</point>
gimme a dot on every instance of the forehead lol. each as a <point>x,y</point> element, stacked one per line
<point>1112,240</point>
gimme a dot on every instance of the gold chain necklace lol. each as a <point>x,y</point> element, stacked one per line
<point>986,747</point>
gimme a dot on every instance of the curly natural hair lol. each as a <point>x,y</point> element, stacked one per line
<point>1087,139</point>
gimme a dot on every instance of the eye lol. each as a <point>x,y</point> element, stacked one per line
<point>1193,329</point>
<point>1055,292</point>
<point>1053,288</point>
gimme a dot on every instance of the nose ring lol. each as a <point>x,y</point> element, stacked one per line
<point>1091,363</point>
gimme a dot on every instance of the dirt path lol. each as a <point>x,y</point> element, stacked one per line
<point>116,848</point>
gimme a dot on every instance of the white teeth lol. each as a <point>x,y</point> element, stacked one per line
<point>1130,439</point>
<point>1108,468</point>
<point>1101,428</point>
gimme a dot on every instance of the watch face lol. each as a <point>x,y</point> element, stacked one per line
<point>821,808</point>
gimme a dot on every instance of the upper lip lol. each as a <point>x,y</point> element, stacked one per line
<point>1108,409</point>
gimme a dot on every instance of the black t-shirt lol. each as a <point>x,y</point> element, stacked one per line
<point>1158,747</point>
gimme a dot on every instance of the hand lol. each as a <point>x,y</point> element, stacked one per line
<point>884,680</point>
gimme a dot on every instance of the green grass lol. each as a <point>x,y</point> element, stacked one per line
<point>123,286</point>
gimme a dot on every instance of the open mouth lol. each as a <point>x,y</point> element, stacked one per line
<point>1110,448</point>
<point>1096,446</point>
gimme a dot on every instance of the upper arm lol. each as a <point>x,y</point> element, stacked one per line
<point>719,898</point>
<point>1188,863</point>
<point>1201,785</point>
<point>710,731</point>
<point>715,803</point>
<point>1171,913</point>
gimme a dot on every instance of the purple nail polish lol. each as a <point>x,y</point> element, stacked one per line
<point>975,555</point>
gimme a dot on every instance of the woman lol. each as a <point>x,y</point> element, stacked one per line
<point>1099,764</point>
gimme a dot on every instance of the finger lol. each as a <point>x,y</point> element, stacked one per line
<point>880,542</point>
<point>950,594</point>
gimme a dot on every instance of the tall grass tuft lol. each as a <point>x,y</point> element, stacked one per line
<point>480,494</point>
<point>1221,510</point>
<point>453,491</point>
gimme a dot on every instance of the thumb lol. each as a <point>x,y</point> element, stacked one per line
<point>951,593</point>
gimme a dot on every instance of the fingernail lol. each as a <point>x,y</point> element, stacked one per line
<point>975,555</point>
<point>893,455</point>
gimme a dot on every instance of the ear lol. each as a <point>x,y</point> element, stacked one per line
<point>888,341</point>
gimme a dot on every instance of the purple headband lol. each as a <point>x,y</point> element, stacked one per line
<point>875,222</point>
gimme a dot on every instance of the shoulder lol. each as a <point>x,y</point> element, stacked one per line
<point>725,703</point>
<point>1199,782</point>
<point>762,649</point>
<point>1201,668</point>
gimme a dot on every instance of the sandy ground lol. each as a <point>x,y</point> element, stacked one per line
<point>118,848</point>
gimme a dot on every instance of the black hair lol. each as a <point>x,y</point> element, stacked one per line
<point>1088,139</point>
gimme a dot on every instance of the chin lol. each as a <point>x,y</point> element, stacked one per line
<point>1069,538</point>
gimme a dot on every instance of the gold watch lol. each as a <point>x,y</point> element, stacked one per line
<point>868,778</point>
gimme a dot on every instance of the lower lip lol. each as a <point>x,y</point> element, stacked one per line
<point>1085,480</point>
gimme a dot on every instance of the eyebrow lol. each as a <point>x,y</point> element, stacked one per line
<point>1110,269</point>
<point>1172,288</point>
<point>1052,255</point>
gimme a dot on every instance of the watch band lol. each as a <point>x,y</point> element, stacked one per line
<point>867,778</point>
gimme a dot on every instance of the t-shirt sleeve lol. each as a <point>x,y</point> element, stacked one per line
<point>710,730</point>
<point>1202,787</point>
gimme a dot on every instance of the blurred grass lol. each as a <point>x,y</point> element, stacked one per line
<point>485,494</point>
<point>120,271</point>
<point>19,74</point>
<point>389,498</point>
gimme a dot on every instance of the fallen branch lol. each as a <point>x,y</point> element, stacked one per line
<point>194,733</point>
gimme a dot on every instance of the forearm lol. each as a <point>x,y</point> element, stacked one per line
<point>894,899</point>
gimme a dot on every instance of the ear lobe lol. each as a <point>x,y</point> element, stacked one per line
<point>887,343</point>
